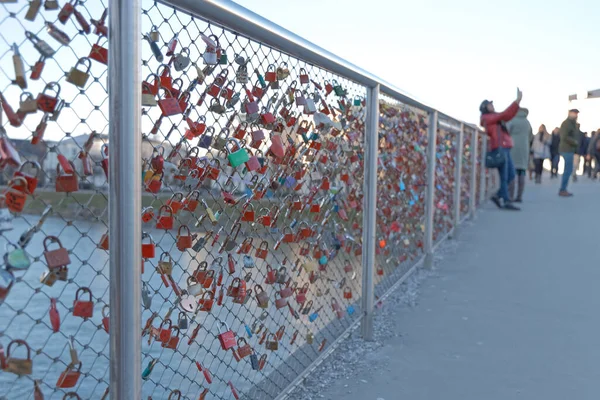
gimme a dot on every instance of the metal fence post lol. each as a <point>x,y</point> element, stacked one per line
<point>458,179</point>
<point>370,210</point>
<point>430,201</point>
<point>482,177</point>
<point>473,177</point>
<point>125,199</point>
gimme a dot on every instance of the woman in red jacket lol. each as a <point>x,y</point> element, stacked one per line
<point>499,139</point>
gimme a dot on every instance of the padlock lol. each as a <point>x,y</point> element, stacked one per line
<point>182,321</point>
<point>261,297</point>
<point>13,198</point>
<point>182,60</point>
<point>209,279</point>
<point>99,53</point>
<point>288,291</point>
<point>27,104</point>
<point>78,77</point>
<point>165,218</point>
<point>165,264</point>
<point>164,331</point>
<point>347,293</point>
<point>271,276</point>
<point>168,103</point>
<point>148,249</point>
<point>16,258</point>
<point>174,395</point>
<point>206,302</point>
<point>263,250</point>
<point>105,318</point>
<point>69,377</point>
<point>231,240</point>
<point>48,278</point>
<point>226,337</point>
<point>248,213</point>
<point>173,339</point>
<point>42,47</point>
<point>307,307</point>
<point>193,287</point>
<point>184,241</point>
<point>18,366</point>
<point>54,316</point>
<point>58,257</point>
<point>46,102</point>
<point>272,343</point>
<point>67,182</point>
<point>238,157</point>
<point>31,179</point>
<point>280,302</point>
<point>83,308</point>
<point>245,248</point>
<point>230,264</point>
<point>148,370</point>
<point>205,372</point>
<point>32,12</point>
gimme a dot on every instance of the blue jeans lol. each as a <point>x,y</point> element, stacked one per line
<point>507,175</point>
<point>568,157</point>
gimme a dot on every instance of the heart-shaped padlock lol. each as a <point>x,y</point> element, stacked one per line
<point>182,60</point>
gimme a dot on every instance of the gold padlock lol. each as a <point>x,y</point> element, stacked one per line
<point>51,5</point>
<point>62,273</point>
<point>19,69</point>
<point>310,337</point>
<point>18,366</point>
<point>78,77</point>
<point>49,278</point>
<point>27,103</point>
<point>154,34</point>
<point>32,11</point>
<point>165,266</point>
<point>272,343</point>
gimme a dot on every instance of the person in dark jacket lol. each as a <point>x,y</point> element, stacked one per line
<point>569,144</point>
<point>583,151</point>
<point>554,154</point>
<point>495,126</point>
<point>594,154</point>
<point>580,153</point>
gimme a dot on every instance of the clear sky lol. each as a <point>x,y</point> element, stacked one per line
<point>452,54</point>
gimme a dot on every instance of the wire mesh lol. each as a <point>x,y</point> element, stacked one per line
<point>401,188</point>
<point>479,170</point>
<point>54,280</point>
<point>271,146</point>
<point>466,168</point>
<point>446,148</point>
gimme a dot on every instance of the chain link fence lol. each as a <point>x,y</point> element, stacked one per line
<point>252,205</point>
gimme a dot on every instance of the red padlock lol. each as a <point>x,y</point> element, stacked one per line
<point>69,377</point>
<point>55,258</point>
<point>280,302</point>
<point>148,249</point>
<point>207,301</point>
<point>15,199</point>
<point>246,246</point>
<point>173,339</point>
<point>191,201</point>
<point>105,318</point>
<point>68,182</point>
<point>230,264</point>
<point>263,250</point>
<point>31,179</point>
<point>47,103</point>
<point>82,308</point>
<point>205,372</point>
<point>244,349</point>
<point>226,338</point>
<point>164,334</point>
<point>271,277</point>
<point>184,241</point>
<point>169,104</point>
<point>54,316</point>
<point>248,213</point>
<point>99,53</point>
<point>347,293</point>
<point>165,218</point>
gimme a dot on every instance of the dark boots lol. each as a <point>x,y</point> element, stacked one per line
<point>520,189</point>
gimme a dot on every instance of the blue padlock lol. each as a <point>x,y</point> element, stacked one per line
<point>323,260</point>
<point>149,368</point>
<point>248,330</point>
<point>350,310</point>
<point>312,317</point>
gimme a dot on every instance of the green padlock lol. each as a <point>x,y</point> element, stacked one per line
<point>223,59</point>
<point>16,258</point>
<point>357,101</point>
<point>238,157</point>
<point>338,89</point>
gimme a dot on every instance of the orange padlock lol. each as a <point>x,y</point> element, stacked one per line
<point>69,377</point>
<point>82,308</point>
<point>165,218</point>
<point>184,241</point>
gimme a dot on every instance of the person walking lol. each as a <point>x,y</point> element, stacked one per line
<point>569,144</point>
<point>541,151</point>
<point>499,146</point>
<point>583,150</point>
<point>594,154</point>
<point>577,157</point>
<point>554,153</point>
<point>521,133</point>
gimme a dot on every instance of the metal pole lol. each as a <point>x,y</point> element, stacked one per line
<point>429,205</point>
<point>125,199</point>
<point>473,178</point>
<point>482,177</point>
<point>458,178</point>
<point>370,210</point>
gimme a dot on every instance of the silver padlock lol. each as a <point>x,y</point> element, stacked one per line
<point>194,288</point>
<point>182,60</point>
<point>146,298</point>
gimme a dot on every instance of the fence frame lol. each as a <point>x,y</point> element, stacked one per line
<point>125,170</point>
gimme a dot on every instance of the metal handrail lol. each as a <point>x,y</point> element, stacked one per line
<point>248,23</point>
